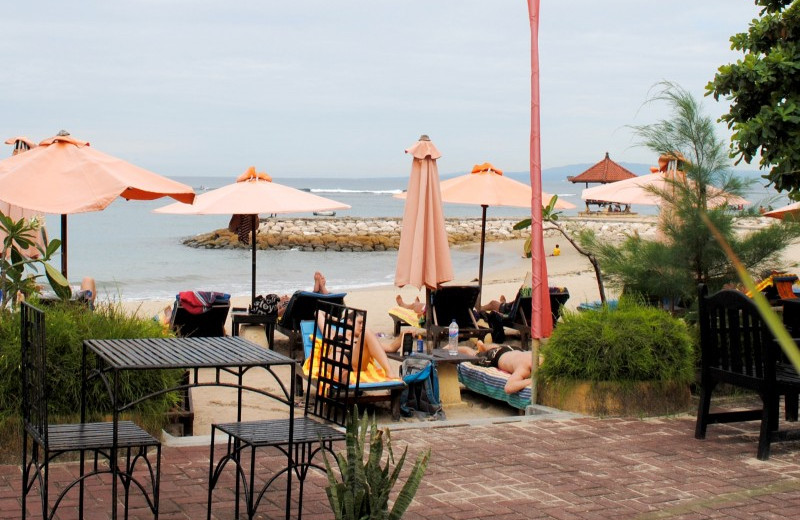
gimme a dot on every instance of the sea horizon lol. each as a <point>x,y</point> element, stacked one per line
<point>135,254</point>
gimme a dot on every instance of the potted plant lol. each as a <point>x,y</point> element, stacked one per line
<point>364,486</point>
<point>629,360</point>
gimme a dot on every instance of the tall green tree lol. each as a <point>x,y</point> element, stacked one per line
<point>686,252</point>
<point>764,90</point>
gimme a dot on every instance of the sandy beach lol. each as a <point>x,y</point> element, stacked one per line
<point>570,270</point>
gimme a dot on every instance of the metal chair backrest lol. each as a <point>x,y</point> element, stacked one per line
<point>455,302</point>
<point>34,372</point>
<point>336,381</point>
<point>733,337</point>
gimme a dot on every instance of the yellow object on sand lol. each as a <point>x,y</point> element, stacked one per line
<point>372,373</point>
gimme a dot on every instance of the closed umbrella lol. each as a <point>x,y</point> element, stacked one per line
<point>64,175</point>
<point>487,186</point>
<point>251,194</point>
<point>423,256</point>
<point>22,144</point>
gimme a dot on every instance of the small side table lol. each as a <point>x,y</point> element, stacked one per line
<point>447,368</point>
<point>240,316</point>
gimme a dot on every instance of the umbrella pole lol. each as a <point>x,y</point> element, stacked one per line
<point>64,245</point>
<point>480,262</point>
<point>253,240</point>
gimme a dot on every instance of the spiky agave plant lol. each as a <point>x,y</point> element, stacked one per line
<point>363,491</point>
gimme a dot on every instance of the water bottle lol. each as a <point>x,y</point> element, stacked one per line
<point>452,343</point>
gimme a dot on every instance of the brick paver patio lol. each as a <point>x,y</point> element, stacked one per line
<point>563,467</point>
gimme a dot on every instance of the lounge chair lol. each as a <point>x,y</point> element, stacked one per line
<point>363,390</point>
<point>303,306</point>
<point>457,302</point>
<point>192,319</point>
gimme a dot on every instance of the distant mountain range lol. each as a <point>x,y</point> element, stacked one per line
<point>560,173</point>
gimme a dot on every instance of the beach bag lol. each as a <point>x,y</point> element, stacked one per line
<point>265,305</point>
<point>420,398</point>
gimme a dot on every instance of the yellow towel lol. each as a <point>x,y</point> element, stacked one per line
<point>372,373</point>
<point>407,315</point>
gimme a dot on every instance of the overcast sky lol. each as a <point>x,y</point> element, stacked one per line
<point>317,88</point>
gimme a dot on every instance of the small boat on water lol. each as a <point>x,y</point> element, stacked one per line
<point>325,213</point>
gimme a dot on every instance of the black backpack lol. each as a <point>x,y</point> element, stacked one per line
<point>265,305</point>
<point>421,395</point>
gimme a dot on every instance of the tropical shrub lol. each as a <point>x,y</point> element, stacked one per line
<point>67,325</point>
<point>363,492</point>
<point>633,342</point>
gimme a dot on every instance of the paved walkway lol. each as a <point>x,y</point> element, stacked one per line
<point>557,466</point>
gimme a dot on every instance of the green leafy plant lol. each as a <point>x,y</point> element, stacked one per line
<point>764,92</point>
<point>633,342</point>
<point>686,254</point>
<point>17,268</point>
<point>67,325</point>
<point>363,492</point>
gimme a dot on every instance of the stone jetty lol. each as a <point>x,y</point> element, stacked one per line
<point>383,234</point>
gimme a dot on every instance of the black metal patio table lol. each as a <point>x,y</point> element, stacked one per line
<point>223,355</point>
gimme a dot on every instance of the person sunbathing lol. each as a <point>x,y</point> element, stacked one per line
<point>516,362</point>
<point>319,287</point>
<point>417,306</point>
<point>372,349</point>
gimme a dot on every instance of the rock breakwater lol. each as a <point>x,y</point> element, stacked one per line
<point>383,234</point>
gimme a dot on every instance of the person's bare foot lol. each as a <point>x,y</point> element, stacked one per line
<point>317,276</point>
<point>322,289</point>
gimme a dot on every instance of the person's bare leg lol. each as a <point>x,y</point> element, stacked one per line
<point>88,285</point>
<point>373,349</point>
<point>494,305</point>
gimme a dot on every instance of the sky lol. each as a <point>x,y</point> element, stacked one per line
<point>317,88</point>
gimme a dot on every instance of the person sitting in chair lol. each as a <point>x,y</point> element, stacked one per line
<point>372,348</point>
<point>516,362</point>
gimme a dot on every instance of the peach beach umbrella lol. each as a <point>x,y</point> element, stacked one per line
<point>64,175</point>
<point>638,190</point>
<point>423,256</point>
<point>791,211</point>
<point>251,194</point>
<point>487,186</point>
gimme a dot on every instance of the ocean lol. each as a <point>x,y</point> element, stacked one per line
<point>135,254</point>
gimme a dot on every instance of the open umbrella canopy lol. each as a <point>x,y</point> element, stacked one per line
<point>64,175</point>
<point>487,186</point>
<point>251,194</point>
<point>785,212</point>
<point>640,190</point>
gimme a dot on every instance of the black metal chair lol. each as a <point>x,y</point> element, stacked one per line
<point>329,397</point>
<point>43,443</point>
<point>454,302</point>
<point>737,348</point>
<point>208,324</point>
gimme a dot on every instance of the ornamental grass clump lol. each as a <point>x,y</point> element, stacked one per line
<point>633,342</point>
